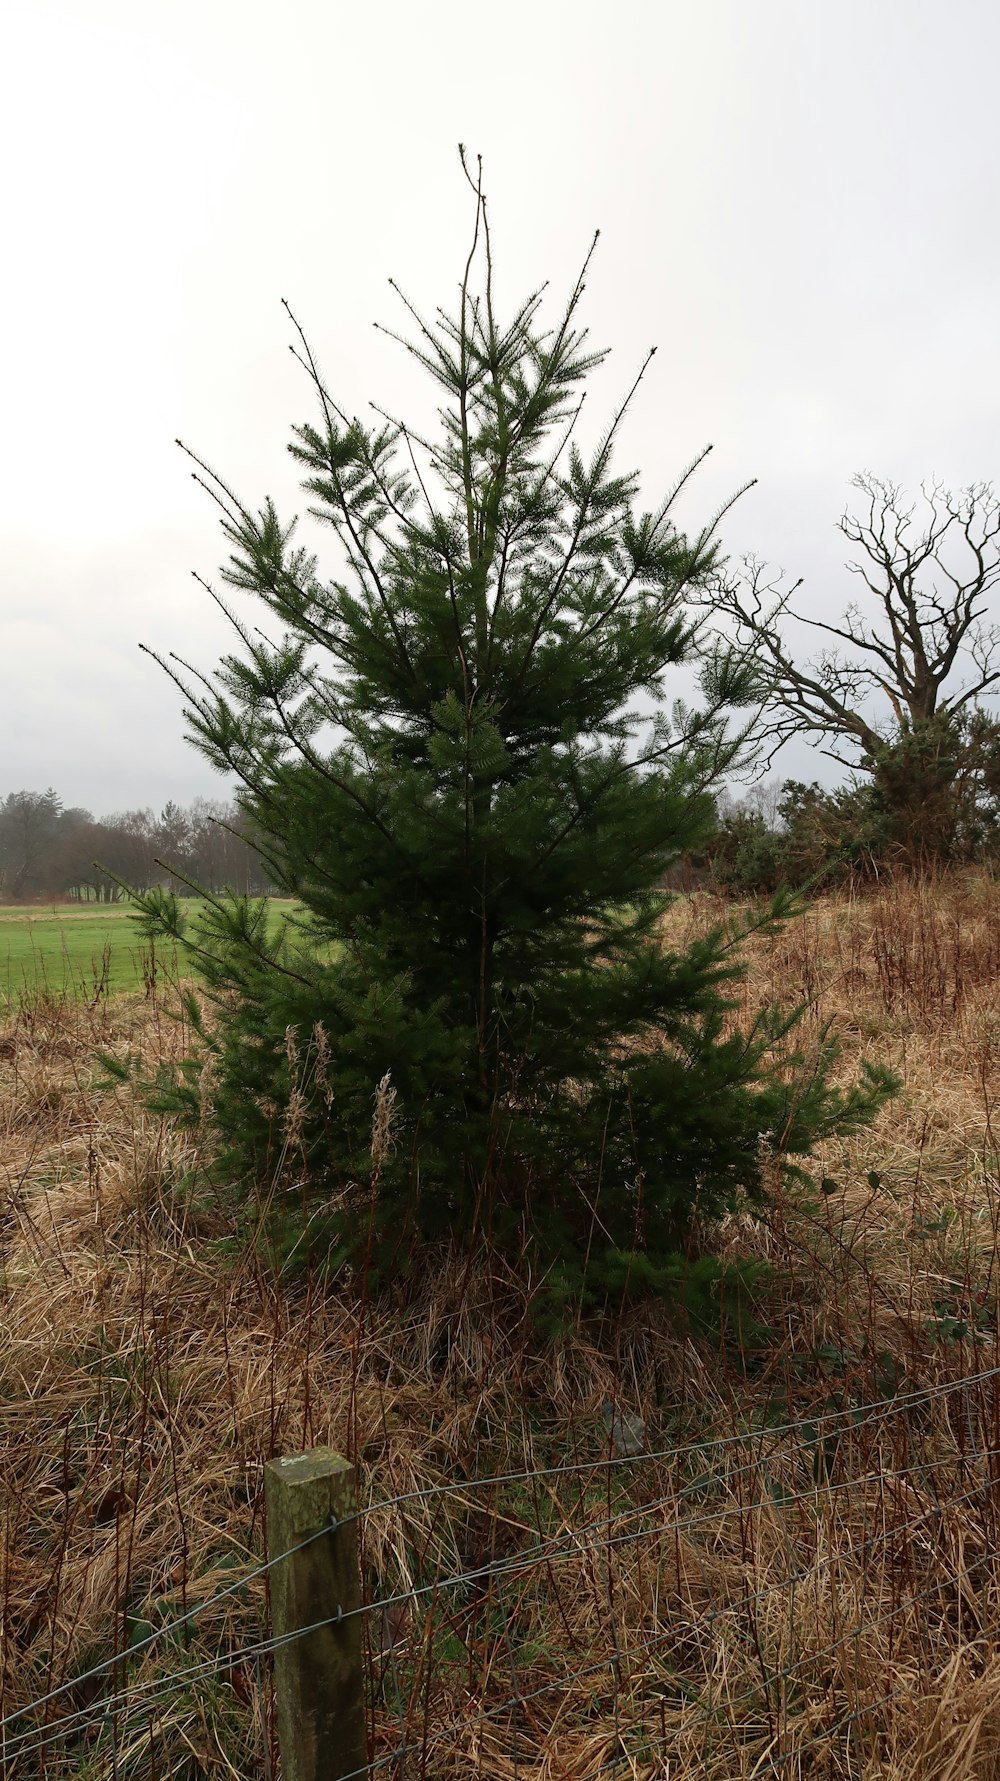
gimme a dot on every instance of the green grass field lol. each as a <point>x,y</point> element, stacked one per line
<point>71,949</point>
<point>82,950</point>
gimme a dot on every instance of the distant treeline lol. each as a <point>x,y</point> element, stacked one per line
<point>48,850</point>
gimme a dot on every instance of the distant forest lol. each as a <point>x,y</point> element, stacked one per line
<point>49,851</point>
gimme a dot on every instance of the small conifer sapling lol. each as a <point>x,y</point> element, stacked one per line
<point>458,753</point>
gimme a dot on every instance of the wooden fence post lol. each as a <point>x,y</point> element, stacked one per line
<point>319,1681</point>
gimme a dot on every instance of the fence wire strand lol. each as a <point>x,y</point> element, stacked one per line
<point>147,1696</point>
<point>878,1408</point>
<point>653,1643</point>
<point>151,1691</point>
<point>568,1544</point>
<point>161,1632</point>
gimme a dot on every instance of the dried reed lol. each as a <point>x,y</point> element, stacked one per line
<point>818,1595</point>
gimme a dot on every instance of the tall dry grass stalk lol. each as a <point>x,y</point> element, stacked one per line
<point>815,1595</point>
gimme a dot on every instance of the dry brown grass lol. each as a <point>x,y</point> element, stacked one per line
<point>818,1602</point>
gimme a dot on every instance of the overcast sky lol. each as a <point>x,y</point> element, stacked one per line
<point>798,202</point>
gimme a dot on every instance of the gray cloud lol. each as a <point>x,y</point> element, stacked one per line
<point>797,203</point>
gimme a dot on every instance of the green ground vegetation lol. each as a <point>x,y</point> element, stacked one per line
<point>81,951</point>
<point>84,950</point>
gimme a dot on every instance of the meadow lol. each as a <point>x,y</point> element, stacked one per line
<point>761,1597</point>
<point>81,950</point>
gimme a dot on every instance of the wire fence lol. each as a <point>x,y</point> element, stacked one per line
<point>795,1598</point>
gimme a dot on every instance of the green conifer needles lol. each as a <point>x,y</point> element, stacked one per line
<point>457,754</point>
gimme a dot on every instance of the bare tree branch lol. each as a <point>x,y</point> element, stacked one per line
<point>922,646</point>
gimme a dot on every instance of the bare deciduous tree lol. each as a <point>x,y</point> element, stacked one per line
<point>920,647</point>
<point>895,689</point>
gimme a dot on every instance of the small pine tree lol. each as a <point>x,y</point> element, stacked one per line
<point>444,761</point>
